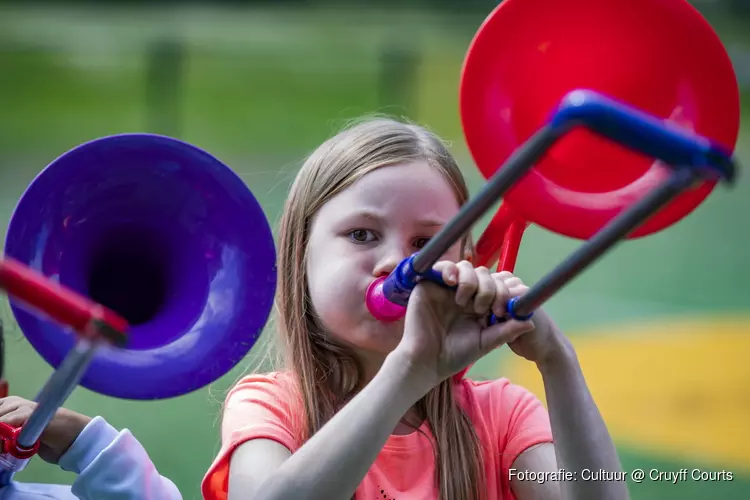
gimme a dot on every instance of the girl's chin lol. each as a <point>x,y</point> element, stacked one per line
<point>388,333</point>
<point>389,326</point>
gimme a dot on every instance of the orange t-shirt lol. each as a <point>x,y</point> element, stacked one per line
<point>508,419</point>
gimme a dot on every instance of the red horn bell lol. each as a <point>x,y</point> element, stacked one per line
<point>660,56</point>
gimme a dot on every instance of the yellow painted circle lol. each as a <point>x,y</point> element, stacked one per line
<point>675,388</point>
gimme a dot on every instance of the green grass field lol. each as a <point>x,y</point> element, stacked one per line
<point>662,324</point>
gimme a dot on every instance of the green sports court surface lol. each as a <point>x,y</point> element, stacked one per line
<point>662,324</point>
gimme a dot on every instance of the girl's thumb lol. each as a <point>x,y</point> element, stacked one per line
<point>504,333</point>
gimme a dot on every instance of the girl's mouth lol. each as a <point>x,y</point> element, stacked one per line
<point>379,306</point>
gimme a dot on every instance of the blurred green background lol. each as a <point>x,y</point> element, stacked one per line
<point>666,330</point>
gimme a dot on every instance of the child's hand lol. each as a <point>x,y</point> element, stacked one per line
<point>545,341</point>
<point>59,434</point>
<point>445,331</point>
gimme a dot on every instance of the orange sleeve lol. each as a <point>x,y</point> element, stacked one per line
<point>525,423</point>
<point>259,406</point>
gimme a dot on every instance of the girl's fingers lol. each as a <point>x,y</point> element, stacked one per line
<point>502,295</point>
<point>486,291</point>
<point>503,333</point>
<point>505,275</point>
<point>513,283</point>
<point>467,283</point>
<point>517,291</point>
<point>448,271</point>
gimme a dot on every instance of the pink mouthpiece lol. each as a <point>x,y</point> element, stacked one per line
<point>379,306</point>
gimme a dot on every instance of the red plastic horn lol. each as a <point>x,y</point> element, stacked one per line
<point>660,56</point>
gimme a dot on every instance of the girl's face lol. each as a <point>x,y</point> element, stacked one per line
<point>363,233</point>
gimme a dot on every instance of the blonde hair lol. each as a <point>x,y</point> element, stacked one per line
<point>326,372</point>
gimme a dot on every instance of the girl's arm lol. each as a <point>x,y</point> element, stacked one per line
<point>332,463</point>
<point>582,441</point>
<point>443,333</point>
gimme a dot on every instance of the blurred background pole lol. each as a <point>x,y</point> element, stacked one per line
<point>399,62</point>
<point>165,64</point>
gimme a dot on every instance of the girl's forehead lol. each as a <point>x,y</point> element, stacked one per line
<point>414,192</point>
<point>417,179</point>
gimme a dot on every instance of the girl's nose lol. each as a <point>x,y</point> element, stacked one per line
<point>388,262</point>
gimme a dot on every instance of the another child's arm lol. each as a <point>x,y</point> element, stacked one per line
<point>110,465</point>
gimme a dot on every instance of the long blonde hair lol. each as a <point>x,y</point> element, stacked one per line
<point>326,372</point>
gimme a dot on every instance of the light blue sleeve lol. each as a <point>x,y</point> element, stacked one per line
<point>113,465</point>
<point>36,491</point>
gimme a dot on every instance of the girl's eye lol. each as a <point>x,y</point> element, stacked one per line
<point>419,243</point>
<point>361,235</point>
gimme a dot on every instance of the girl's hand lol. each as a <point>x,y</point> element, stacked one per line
<point>545,342</point>
<point>446,331</point>
<point>61,432</point>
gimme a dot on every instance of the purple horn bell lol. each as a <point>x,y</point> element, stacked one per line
<point>162,233</point>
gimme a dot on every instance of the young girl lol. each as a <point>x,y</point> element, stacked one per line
<point>372,410</point>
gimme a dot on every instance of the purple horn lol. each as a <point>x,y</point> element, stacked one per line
<point>162,233</point>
